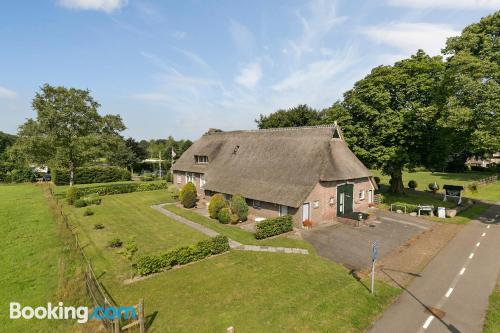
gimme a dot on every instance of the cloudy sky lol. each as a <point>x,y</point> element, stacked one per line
<point>180,67</point>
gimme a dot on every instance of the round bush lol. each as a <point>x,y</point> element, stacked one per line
<point>217,202</point>
<point>88,212</point>
<point>188,195</point>
<point>234,219</point>
<point>72,195</point>
<point>239,207</point>
<point>224,215</point>
<point>377,180</point>
<point>412,184</point>
<point>79,203</point>
<point>434,187</point>
<point>174,191</point>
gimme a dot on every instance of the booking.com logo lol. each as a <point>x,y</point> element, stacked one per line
<point>80,313</point>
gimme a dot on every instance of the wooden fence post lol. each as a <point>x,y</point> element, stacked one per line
<point>142,327</point>
<point>116,325</point>
<point>230,329</point>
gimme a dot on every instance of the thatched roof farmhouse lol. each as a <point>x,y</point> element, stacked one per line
<point>308,172</point>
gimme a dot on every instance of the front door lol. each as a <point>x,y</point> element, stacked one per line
<point>344,198</point>
<point>305,212</point>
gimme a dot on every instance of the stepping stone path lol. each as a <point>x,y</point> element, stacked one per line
<point>232,243</point>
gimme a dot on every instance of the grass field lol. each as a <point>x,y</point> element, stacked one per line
<point>490,192</point>
<point>492,321</point>
<point>37,266</point>
<point>236,233</point>
<point>125,216</point>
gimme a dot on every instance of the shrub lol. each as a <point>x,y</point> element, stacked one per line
<point>88,212</point>
<point>183,255</point>
<point>224,215</point>
<point>98,226</point>
<point>115,242</point>
<point>217,202</point>
<point>234,219</point>
<point>72,195</point>
<point>94,174</point>
<point>79,203</point>
<point>412,184</point>
<point>377,180</point>
<point>174,191</point>
<point>130,249</point>
<point>93,199</point>
<point>472,187</point>
<point>274,226</point>
<point>108,189</point>
<point>434,187</point>
<point>188,195</point>
<point>239,207</point>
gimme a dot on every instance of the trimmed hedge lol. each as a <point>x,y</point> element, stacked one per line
<point>108,189</point>
<point>188,195</point>
<point>150,264</point>
<point>90,175</point>
<point>274,226</point>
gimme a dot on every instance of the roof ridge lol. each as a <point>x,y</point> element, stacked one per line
<point>277,129</point>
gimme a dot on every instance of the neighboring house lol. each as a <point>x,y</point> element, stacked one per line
<point>307,172</point>
<point>486,162</point>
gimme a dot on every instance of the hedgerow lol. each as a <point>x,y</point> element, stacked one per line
<point>274,226</point>
<point>90,175</point>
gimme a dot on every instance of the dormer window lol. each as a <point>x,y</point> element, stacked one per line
<point>201,159</point>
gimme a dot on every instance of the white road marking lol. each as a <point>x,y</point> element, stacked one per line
<point>484,234</point>
<point>462,271</point>
<point>488,226</point>
<point>428,322</point>
<point>449,292</point>
<point>478,243</point>
<point>471,255</point>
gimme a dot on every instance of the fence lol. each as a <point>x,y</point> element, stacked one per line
<point>96,291</point>
<point>486,180</point>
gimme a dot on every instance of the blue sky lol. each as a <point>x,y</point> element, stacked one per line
<point>180,67</point>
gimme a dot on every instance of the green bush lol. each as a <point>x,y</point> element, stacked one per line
<point>108,189</point>
<point>174,191</point>
<point>434,187</point>
<point>412,184</point>
<point>17,175</point>
<point>72,194</point>
<point>234,219</point>
<point>224,215</point>
<point>98,226</point>
<point>115,242</point>
<point>150,264</point>
<point>472,187</point>
<point>89,175</point>
<point>239,207</point>
<point>88,212</point>
<point>79,203</point>
<point>274,226</point>
<point>93,199</point>
<point>188,195</point>
<point>217,202</point>
<point>377,180</point>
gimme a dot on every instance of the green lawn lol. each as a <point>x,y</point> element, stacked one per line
<point>125,216</point>
<point>259,292</point>
<point>36,265</point>
<point>490,192</point>
<point>236,233</point>
<point>492,321</point>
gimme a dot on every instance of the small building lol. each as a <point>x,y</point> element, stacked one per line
<point>307,172</point>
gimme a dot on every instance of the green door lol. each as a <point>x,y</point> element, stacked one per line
<point>344,198</point>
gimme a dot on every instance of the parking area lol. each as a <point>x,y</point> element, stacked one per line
<point>352,246</point>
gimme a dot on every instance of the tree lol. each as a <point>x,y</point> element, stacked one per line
<point>68,131</point>
<point>188,195</point>
<point>217,202</point>
<point>301,115</point>
<point>239,207</point>
<point>389,116</point>
<point>471,120</point>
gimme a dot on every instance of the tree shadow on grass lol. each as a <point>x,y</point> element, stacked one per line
<point>149,319</point>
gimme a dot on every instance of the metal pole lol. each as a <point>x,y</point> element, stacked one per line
<point>373,276</point>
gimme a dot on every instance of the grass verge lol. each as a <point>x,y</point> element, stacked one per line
<point>492,321</point>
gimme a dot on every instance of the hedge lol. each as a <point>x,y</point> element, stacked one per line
<point>274,226</point>
<point>150,264</point>
<point>90,175</point>
<point>107,189</point>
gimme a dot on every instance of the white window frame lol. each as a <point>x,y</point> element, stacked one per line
<point>190,177</point>
<point>201,159</point>
<point>361,195</point>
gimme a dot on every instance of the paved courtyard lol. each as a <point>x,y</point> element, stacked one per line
<point>352,246</point>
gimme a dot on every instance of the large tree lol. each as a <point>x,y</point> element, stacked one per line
<point>301,115</point>
<point>471,119</point>
<point>68,131</point>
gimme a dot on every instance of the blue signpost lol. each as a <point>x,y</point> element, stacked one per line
<point>374,258</point>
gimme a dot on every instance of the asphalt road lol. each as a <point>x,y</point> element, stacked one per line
<point>451,294</point>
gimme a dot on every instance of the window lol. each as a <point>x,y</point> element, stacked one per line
<point>257,204</point>
<point>202,181</point>
<point>332,201</point>
<point>316,204</point>
<point>283,210</point>
<point>201,159</point>
<point>362,195</point>
<point>179,179</point>
<point>189,177</point>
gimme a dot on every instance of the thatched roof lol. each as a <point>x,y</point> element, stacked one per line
<point>273,165</point>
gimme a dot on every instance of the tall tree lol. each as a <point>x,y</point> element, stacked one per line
<point>301,115</point>
<point>68,131</point>
<point>471,119</point>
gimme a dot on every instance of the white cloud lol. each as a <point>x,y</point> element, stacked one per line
<point>242,37</point>
<point>179,34</point>
<point>320,19</point>
<point>410,37</point>
<point>107,6</point>
<point>7,93</point>
<point>249,75</point>
<point>448,4</point>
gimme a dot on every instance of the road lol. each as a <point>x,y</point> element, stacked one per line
<point>451,294</point>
